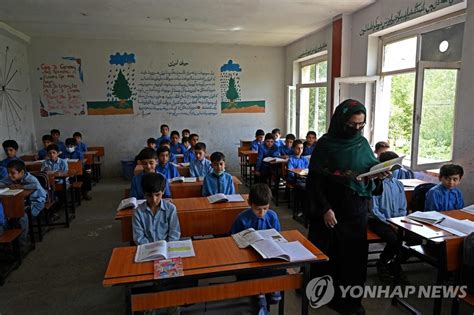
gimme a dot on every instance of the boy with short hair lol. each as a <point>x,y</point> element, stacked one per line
<point>151,143</point>
<point>297,160</point>
<point>73,154</point>
<point>175,146</point>
<point>259,136</point>
<point>446,195</point>
<point>165,143</point>
<point>267,149</point>
<point>80,146</point>
<point>165,130</point>
<point>310,143</point>
<point>276,135</point>
<point>218,181</point>
<point>185,143</point>
<point>381,147</point>
<point>10,147</point>
<point>185,133</point>
<point>43,153</point>
<point>390,204</point>
<point>56,134</point>
<point>156,219</point>
<point>190,155</point>
<point>54,163</point>
<point>164,167</point>
<point>201,166</point>
<point>149,160</point>
<point>287,148</point>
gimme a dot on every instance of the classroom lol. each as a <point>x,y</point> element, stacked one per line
<point>237,157</point>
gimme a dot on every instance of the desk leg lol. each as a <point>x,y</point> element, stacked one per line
<point>128,301</point>
<point>66,212</point>
<point>304,283</point>
<point>281,306</point>
<point>441,275</point>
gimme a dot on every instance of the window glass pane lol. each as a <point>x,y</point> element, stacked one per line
<point>292,112</point>
<point>322,72</point>
<point>313,110</point>
<point>437,116</point>
<point>399,55</point>
<point>322,107</point>
<point>308,74</point>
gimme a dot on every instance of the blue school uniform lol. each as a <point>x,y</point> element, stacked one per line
<point>264,152</point>
<point>392,202</point>
<point>76,155</point>
<point>254,145</point>
<point>37,198</point>
<point>296,162</point>
<point>61,146</point>
<point>149,227</point>
<point>199,168</point>
<point>308,150</point>
<point>137,191</point>
<point>2,216</point>
<point>42,154</point>
<point>3,172</point>
<point>218,184</point>
<point>177,148</point>
<point>284,150</point>
<point>158,140</point>
<point>440,198</point>
<point>60,165</point>
<point>403,173</point>
<point>168,170</point>
<point>189,156</point>
<point>5,162</point>
<point>173,158</point>
<point>82,147</point>
<point>247,219</point>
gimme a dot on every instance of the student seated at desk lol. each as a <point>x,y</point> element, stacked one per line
<point>446,195</point>
<point>297,160</point>
<point>165,143</point>
<point>22,223</point>
<point>287,148</point>
<point>276,136</point>
<point>164,166</point>
<point>56,134</point>
<point>310,143</point>
<point>259,217</point>
<point>185,143</point>
<point>73,154</point>
<point>190,155</point>
<point>80,146</point>
<point>381,147</point>
<point>149,160</point>
<point>43,153</point>
<point>151,143</point>
<point>267,149</point>
<point>218,181</point>
<point>175,146</point>
<point>201,166</point>
<point>10,147</point>
<point>156,219</point>
<point>165,130</point>
<point>259,136</point>
<point>391,203</point>
<point>54,163</point>
<point>185,133</point>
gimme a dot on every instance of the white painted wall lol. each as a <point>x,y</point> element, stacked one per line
<point>262,78</point>
<point>23,131</point>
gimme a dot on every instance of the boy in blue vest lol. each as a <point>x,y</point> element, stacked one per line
<point>218,181</point>
<point>164,166</point>
<point>149,160</point>
<point>54,163</point>
<point>175,146</point>
<point>56,135</point>
<point>297,160</point>
<point>165,143</point>
<point>287,149</point>
<point>80,146</point>
<point>10,147</point>
<point>189,155</point>
<point>276,136</point>
<point>310,143</point>
<point>201,166</point>
<point>267,149</point>
<point>165,130</point>
<point>43,153</point>
<point>151,143</point>
<point>259,136</point>
<point>73,154</point>
<point>446,195</point>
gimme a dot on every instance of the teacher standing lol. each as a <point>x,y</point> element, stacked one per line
<point>340,202</point>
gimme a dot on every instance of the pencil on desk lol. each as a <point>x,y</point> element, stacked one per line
<point>409,222</point>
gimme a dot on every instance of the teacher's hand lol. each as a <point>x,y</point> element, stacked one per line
<point>330,219</point>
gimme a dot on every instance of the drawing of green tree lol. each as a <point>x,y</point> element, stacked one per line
<point>232,93</point>
<point>121,89</point>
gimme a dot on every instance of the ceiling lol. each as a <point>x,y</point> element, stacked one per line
<point>249,22</point>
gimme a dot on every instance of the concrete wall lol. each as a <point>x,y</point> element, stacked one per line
<point>16,114</point>
<point>124,135</point>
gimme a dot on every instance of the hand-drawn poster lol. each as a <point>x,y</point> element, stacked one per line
<point>120,87</point>
<point>60,90</point>
<point>178,90</point>
<point>231,92</point>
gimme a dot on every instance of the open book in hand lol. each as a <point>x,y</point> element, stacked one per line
<point>271,244</point>
<point>182,179</point>
<point>273,159</point>
<point>164,250</point>
<point>224,198</point>
<point>130,203</point>
<point>9,192</point>
<point>387,166</point>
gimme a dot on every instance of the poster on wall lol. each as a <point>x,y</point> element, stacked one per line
<point>231,93</point>
<point>61,87</point>
<point>120,87</point>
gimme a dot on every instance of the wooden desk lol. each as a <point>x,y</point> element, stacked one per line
<point>245,144</point>
<point>196,217</point>
<point>216,257</point>
<point>14,206</point>
<point>182,170</point>
<point>299,172</point>
<point>443,253</point>
<point>248,160</point>
<point>190,190</point>
<point>36,165</point>
<point>89,156</point>
<point>99,148</point>
<point>409,186</point>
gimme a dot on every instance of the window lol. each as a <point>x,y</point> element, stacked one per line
<point>311,98</point>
